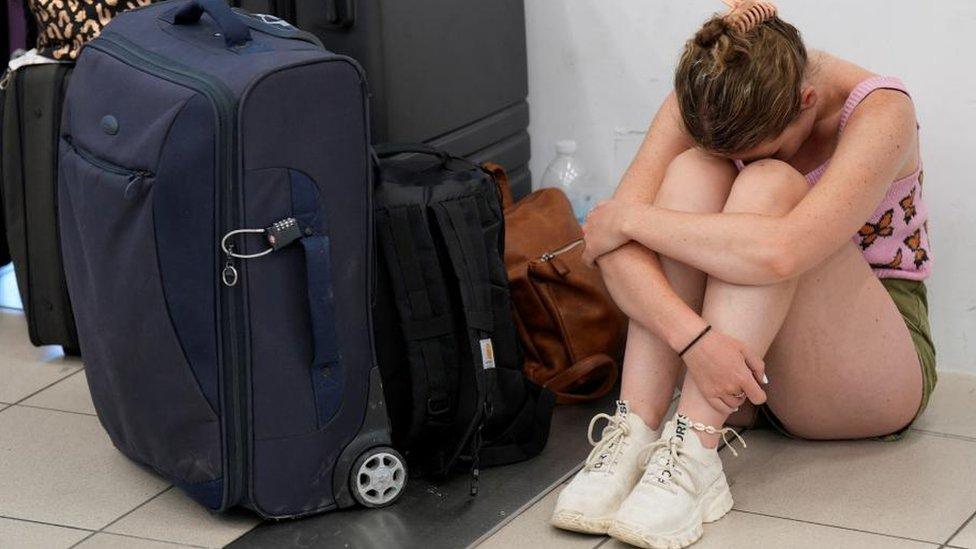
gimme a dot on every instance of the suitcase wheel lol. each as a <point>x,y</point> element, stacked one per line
<point>378,477</point>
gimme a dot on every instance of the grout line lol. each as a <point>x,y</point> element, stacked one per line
<point>538,497</point>
<point>535,499</point>
<point>960,529</point>
<point>134,509</point>
<point>833,526</point>
<point>48,386</point>
<point>166,541</point>
<point>45,523</point>
<point>56,410</point>
<point>83,540</point>
<point>127,513</point>
<point>944,435</point>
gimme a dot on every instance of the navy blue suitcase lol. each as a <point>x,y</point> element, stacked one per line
<point>215,217</point>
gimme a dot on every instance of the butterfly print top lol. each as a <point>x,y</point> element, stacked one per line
<point>895,240</point>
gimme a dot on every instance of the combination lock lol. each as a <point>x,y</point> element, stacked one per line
<point>282,233</point>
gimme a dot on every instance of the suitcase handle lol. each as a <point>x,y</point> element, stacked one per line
<point>235,31</point>
<point>385,150</point>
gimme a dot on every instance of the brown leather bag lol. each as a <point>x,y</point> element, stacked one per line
<point>570,328</point>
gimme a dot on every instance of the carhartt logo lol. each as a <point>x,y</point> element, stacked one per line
<point>487,354</point>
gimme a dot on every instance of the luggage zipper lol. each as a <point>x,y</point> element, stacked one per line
<point>235,363</point>
<point>136,177</point>
<point>550,255</point>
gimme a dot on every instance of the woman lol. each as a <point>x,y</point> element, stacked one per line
<point>730,239</point>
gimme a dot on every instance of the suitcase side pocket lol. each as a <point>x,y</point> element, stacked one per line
<point>148,396</point>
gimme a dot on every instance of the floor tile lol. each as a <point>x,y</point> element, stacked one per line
<point>61,468</point>
<point>967,537</point>
<point>952,407</point>
<point>896,488</point>
<point>532,529</point>
<point>748,531</point>
<point>70,394</point>
<point>31,535</point>
<point>25,369</point>
<point>175,517</point>
<point>111,541</point>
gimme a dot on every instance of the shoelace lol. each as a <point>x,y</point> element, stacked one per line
<point>669,464</point>
<point>613,433</point>
<point>672,462</point>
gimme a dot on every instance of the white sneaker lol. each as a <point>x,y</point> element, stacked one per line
<point>683,486</point>
<point>590,500</point>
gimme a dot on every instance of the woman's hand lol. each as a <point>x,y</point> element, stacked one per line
<point>603,229</point>
<point>725,371</point>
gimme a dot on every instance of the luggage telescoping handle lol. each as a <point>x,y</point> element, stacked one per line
<point>235,31</point>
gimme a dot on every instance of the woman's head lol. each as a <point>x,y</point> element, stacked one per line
<point>741,92</point>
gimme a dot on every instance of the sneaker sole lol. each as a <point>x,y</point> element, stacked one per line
<point>715,504</point>
<point>576,522</point>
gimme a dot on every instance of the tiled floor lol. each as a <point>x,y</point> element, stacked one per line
<point>919,492</point>
<point>62,483</point>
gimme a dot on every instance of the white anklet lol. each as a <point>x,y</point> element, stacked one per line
<point>698,426</point>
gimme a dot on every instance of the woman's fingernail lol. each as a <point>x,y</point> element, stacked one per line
<point>765,379</point>
<point>735,410</point>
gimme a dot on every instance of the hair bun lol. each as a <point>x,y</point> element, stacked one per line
<point>710,32</point>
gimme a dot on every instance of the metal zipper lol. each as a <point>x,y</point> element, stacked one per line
<point>236,429</point>
<point>550,255</point>
<point>105,165</point>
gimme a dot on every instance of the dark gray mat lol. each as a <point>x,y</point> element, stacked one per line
<point>432,515</point>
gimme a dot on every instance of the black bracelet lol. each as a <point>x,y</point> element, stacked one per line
<point>693,341</point>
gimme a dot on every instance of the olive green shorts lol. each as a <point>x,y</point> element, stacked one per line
<point>911,298</point>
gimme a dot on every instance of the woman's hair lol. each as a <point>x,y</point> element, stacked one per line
<point>737,89</point>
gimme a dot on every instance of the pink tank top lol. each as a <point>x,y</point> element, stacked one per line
<point>894,240</point>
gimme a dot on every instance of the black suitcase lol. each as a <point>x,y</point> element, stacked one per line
<point>31,124</point>
<point>449,73</point>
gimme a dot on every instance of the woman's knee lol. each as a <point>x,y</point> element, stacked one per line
<point>696,182</point>
<point>767,186</point>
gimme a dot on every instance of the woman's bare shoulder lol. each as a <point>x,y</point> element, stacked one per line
<point>842,74</point>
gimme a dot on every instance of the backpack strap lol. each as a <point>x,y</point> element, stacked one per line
<point>459,221</point>
<point>425,313</point>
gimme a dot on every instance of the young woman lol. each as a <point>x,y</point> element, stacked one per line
<point>729,240</point>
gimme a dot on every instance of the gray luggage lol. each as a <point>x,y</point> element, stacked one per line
<point>449,73</point>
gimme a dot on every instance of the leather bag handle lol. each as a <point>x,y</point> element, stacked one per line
<point>582,369</point>
<point>501,179</point>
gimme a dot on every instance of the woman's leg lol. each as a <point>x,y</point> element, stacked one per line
<point>840,359</point>
<point>843,366</point>
<point>751,314</point>
<point>695,182</point>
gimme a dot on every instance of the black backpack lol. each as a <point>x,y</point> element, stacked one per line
<point>444,334</point>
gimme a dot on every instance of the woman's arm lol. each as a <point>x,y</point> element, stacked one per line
<point>632,273</point>
<point>754,249</point>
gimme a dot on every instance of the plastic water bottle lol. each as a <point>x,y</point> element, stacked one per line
<point>566,172</point>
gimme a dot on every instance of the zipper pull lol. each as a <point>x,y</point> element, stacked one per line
<point>134,187</point>
<point>229,275</point>
<point>550,255</point>
<point>475,462</point>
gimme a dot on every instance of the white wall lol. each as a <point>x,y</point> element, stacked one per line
<point>598,69</point>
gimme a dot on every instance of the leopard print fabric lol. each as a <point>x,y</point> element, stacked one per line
<point>64,26</point>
